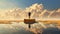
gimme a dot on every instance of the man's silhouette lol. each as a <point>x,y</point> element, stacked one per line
<point>29,14</point>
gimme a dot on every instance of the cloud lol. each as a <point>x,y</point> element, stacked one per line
<point>37,10</point>
<point>35,7</point>
<point>58,10</point>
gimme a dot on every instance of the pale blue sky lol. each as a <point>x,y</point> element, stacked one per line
<point>48,4</point>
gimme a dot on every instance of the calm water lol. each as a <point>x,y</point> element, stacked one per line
<point>14,29</point>
<point>21,28</point>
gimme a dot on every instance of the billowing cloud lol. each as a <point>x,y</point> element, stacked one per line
<point>35,8</point>
<point>37,11</point>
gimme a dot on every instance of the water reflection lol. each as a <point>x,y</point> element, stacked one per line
<point>21,28</point>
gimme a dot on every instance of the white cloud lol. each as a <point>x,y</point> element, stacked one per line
<point>36,9</point>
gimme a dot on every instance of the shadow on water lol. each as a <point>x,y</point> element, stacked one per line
<point>23,32</point>
<point>51,31</point>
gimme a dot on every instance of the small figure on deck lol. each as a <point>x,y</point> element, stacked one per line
<point>29,14</point>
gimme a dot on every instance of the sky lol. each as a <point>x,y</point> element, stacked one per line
<point>48,4</point>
